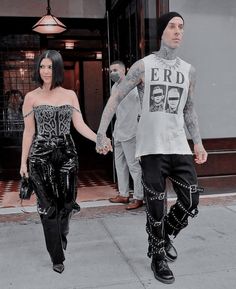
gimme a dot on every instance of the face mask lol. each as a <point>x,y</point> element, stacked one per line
<point>115,76</point>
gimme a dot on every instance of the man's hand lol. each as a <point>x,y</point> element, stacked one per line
<point>200,154</point>
<point>103,144</point>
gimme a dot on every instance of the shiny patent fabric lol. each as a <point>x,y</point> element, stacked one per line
<point>53,167</point>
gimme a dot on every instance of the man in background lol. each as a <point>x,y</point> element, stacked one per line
<point>124,135</point>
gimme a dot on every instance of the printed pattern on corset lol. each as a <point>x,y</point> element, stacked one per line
<point>53,120</point>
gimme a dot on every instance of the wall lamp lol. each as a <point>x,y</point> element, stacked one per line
<point>69,45</point>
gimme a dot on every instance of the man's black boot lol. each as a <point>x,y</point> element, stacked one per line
<point>171,252</point>
<point>162,271</point>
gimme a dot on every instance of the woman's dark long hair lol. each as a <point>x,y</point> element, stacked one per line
<point>57,68</point>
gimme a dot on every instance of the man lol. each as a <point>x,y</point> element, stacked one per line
<point>162,144</point>
<point>125,142</point>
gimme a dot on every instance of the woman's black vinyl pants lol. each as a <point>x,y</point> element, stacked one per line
<point>53,167</point>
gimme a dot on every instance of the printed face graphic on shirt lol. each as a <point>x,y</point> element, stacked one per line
<point>168,87</point>
<point>157,97</point>
<point>165,98</point>
<point>173,98</point>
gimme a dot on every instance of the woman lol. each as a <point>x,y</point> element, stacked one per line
<point>49,150</point>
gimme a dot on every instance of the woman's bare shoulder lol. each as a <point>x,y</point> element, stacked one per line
<point>68,93</point>
<point>33,92</point>
<point>32,95</point>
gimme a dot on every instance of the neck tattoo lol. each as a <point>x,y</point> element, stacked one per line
<point>167,53</point>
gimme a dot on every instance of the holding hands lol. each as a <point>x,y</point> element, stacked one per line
<point>103,144</point>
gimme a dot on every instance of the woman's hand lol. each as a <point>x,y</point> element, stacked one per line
<point>24,171</point>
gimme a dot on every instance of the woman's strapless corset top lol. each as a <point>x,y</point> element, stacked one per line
<point>53,120</point>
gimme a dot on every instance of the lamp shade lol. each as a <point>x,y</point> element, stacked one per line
<point>49,24</point>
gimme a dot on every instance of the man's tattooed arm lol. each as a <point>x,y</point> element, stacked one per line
<point>133,78</point>
<point>190,116</point>
<point>191,122</point>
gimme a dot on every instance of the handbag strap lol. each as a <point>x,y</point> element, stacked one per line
<point>23,210</point>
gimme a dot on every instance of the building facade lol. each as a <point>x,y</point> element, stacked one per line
<point>102,31</point>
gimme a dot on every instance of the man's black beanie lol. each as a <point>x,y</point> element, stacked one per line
<point>163,20</point>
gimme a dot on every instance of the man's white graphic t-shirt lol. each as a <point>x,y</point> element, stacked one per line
<point>161,125</point>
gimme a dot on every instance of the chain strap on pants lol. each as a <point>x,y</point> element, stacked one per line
<point>53,167</point>
<point>160,224</point>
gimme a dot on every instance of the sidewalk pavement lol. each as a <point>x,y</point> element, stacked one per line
<point>107,250</point>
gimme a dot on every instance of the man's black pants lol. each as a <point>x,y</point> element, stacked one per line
<point>181,171</point>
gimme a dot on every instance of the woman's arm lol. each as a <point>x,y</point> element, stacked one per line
<point>28,134</point>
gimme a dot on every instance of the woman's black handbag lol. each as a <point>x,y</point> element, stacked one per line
<point>26,188</point>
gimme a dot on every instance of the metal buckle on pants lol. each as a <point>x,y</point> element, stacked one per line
<point>193,189</point>
<point>161,196</point>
